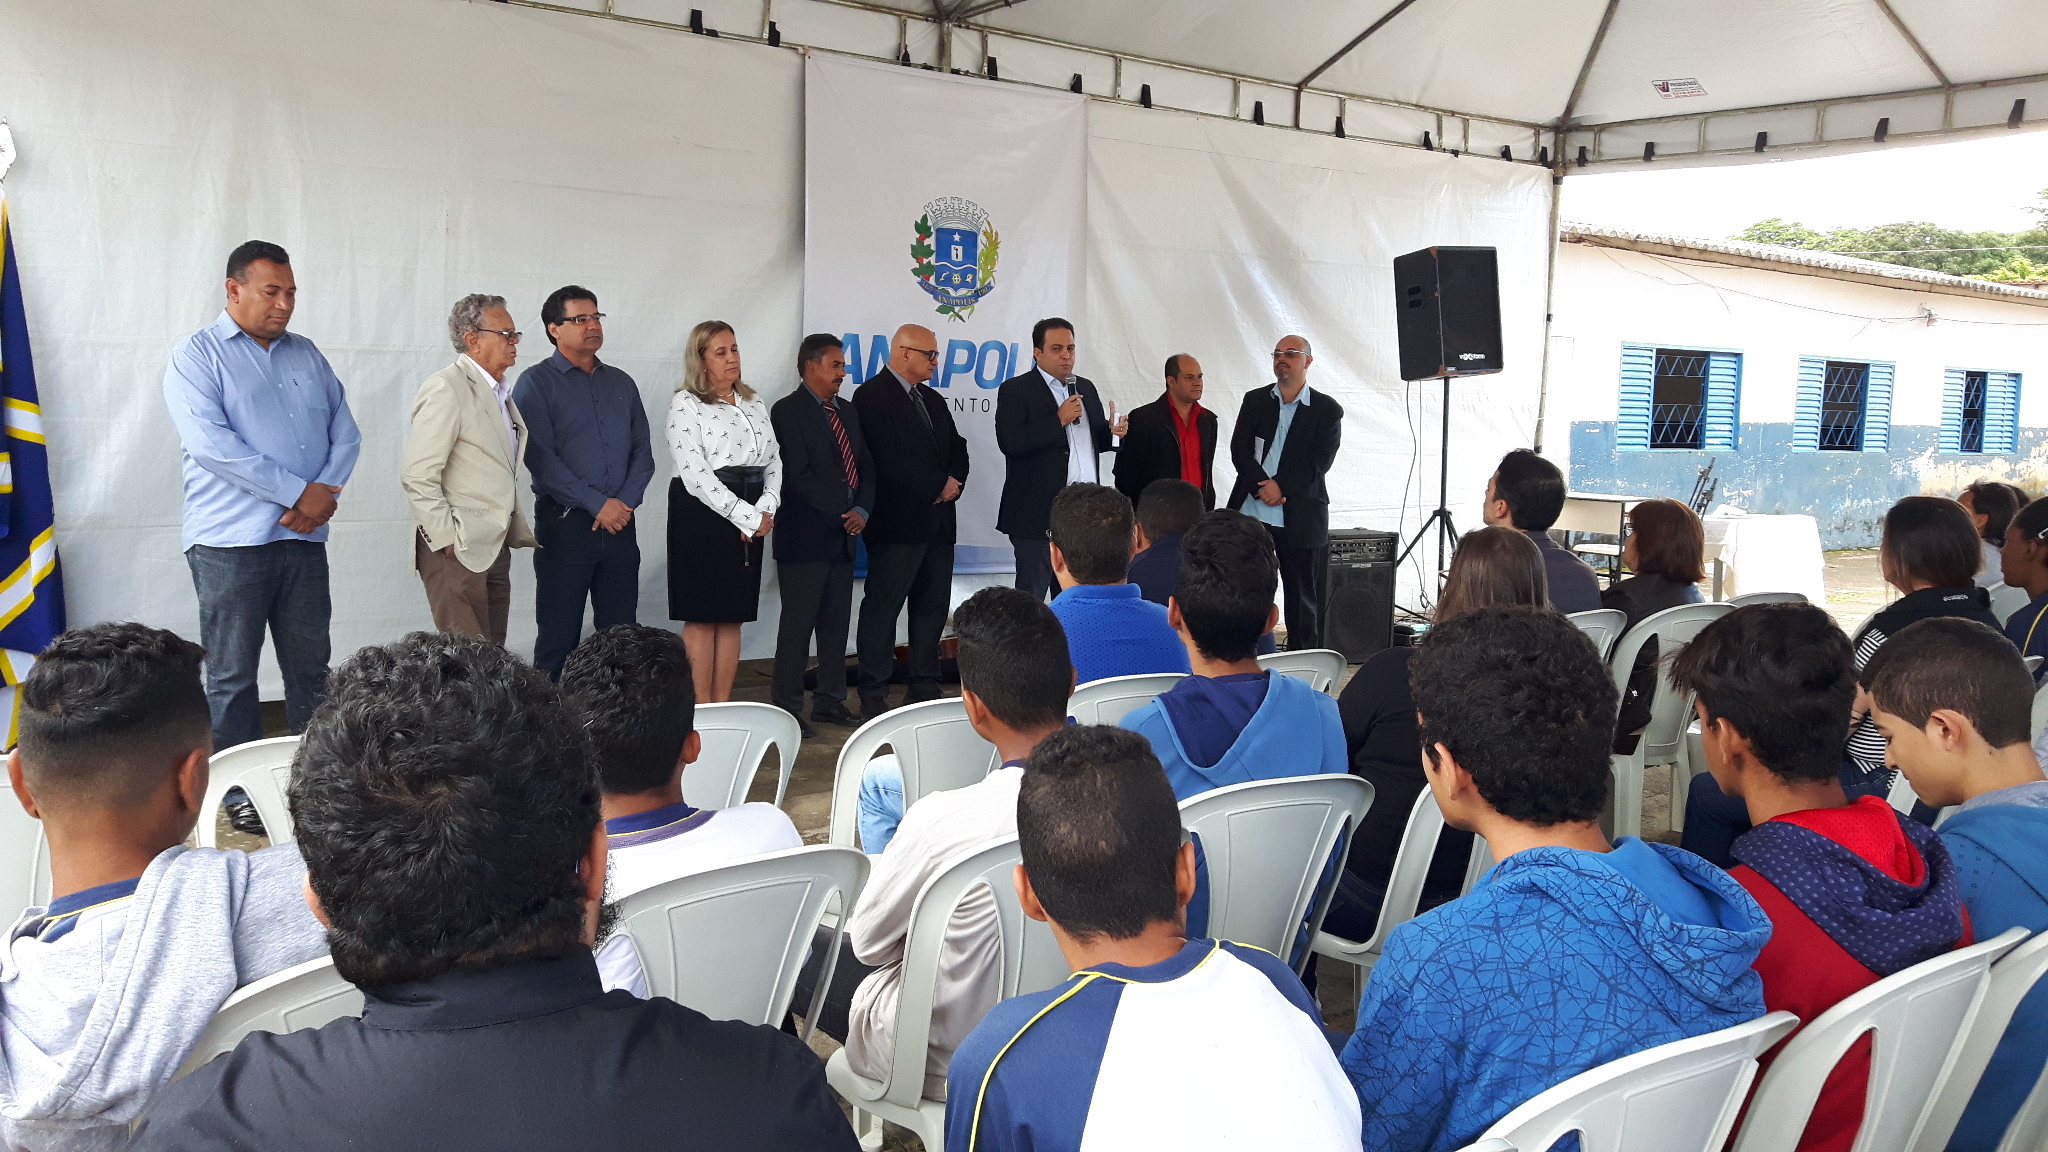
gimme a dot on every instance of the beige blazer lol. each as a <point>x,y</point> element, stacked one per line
<point>460,476</point>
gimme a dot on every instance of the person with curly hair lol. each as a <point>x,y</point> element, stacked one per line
<point>1571,952</point>
<point>449,816</point>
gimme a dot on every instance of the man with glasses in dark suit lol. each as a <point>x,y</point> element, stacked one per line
<point>828,492</point>
<point>1285,440</point>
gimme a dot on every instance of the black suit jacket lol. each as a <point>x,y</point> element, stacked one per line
<point>808,527</point>
<point>1310,450</point>
<point>1034,445</point>
<point>1151,450</point>
<point>912,461</point>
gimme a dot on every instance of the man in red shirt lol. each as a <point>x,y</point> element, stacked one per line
<point>1855,891</point>
<point>1172,438</point>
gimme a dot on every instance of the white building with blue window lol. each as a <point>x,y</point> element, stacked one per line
<point>1813,383</point>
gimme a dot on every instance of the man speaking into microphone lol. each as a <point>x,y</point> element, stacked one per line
<point>1052,432</point>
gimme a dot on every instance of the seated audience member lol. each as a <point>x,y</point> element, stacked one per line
<point>1112,630</point>
<point>1991,505</point>
<point>1666,556</point>
<point>2023,563</point>
<point>1570,952</point>
<point>1491,566</point>
<point>1015,677</point>
<point>1166,510</point>
<point>1854,890</point>
<point>1955,702</point>
<point>1527,493</point>
<point>629,688</point>
<point>104,991</point>
<point>448,813</point>
<point>1232,721</point>
<point>1927,552</point>
<point>1157,1040</point>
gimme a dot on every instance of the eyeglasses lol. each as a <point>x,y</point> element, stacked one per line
<point>586,318</point>
<point>931,355</point>
<point>511,335</point>
<point>1288,353</point>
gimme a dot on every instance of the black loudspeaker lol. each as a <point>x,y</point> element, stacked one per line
<point>1447,309</point>
<point>1358,592</point>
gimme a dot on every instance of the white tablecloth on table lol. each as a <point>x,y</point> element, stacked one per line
<point>1768,554</point>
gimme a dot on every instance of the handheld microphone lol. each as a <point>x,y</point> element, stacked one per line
<point>1073,389</point>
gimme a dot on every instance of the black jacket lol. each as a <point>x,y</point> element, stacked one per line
<point>814,492</point>
<point>1034,445</point>
<point>1151,450</point>
<point>532,1055</point>
<point>1310,450</point>
<point>912,461</point>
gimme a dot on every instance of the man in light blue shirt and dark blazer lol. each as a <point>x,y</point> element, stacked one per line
<point>268,444</point>
<point>590,455</point>
<point>1285,440</point>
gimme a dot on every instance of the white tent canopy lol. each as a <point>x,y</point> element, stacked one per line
<point>1730,81</point>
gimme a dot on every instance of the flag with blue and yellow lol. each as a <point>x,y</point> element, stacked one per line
<point>31,588</point>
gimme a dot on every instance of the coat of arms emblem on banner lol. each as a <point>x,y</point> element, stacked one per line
<point>954,255</point>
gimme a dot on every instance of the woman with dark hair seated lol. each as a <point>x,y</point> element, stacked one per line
<point>1666,552</point>
<point>1493,566</point>
<point>1991,505</point>
<point>1929,553</point>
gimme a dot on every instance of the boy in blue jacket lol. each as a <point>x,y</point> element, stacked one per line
<point>1232,721</point>
<point>1571,952</point>
<point>1954,701</point>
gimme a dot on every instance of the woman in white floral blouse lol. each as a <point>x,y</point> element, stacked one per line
<point>721,505</point>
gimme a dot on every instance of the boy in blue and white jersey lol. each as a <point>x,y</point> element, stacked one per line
<point>1156,1040</point>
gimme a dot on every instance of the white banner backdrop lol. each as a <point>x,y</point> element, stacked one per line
<point>953,203</point>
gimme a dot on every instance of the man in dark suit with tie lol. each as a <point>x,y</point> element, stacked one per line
<point>828,491</point>
<point>1172,438</point>
<point>1050,427</point>
<point>1285,441</point>
<point>920,467</point>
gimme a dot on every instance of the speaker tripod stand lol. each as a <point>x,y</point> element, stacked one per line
<point>1439,522</point>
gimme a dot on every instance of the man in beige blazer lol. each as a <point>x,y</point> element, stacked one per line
<point>461,474</point>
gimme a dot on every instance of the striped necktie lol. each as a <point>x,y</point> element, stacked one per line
<point>845,445</point>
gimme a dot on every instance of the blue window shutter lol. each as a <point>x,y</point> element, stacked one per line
<point>2002,412</point>
<point>1951,411</point>
<point>1806,413</point>
<point>1638,383</point>
<point>1724,389</point>
<point>1877,409</point>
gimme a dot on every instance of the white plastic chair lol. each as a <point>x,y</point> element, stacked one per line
<point>1108,700</point>
<point>2033,664</point>
<point>2006,600</point>
<point>935,747</point>
<point>736,736</point>
<point>1916,1019</point>
<point>1748,598</point>
<point>24,858</point>
<point>2011,979</point>
<point>1267,845</point>
<point>302,996</point>
<point>1031,963</point>
<point>1678,1097</point>
<point>730,941</point>
<point>1404,887</point>
<point>1321,667</point>
<point>1663,738</point>
<point>1603,625</point>
<point>263,768</point>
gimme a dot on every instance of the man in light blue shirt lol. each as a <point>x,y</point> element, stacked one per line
<point>268,444</point>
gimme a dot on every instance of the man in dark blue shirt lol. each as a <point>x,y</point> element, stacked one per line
<point>591,459</point>
<point>484,1022</point>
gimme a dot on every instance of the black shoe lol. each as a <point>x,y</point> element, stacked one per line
<point>804,726</point>
<point>242,815</point>
<point>920,695</point>
<point>834,713</point>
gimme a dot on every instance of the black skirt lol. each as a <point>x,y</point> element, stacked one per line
<point>714,573</point>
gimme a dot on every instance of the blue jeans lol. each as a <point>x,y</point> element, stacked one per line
<point>281,586</point>
<point>881,803</point>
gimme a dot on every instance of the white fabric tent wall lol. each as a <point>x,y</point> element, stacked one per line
<point>409,151</point>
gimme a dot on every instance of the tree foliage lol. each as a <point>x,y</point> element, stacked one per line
<point>1917,244</point>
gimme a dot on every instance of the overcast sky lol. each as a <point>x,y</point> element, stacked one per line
<point>1972,185</point>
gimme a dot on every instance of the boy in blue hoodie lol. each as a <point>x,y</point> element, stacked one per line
<point>1231,721</point>
<point>1954,701</point>
<point>1571,952</point>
